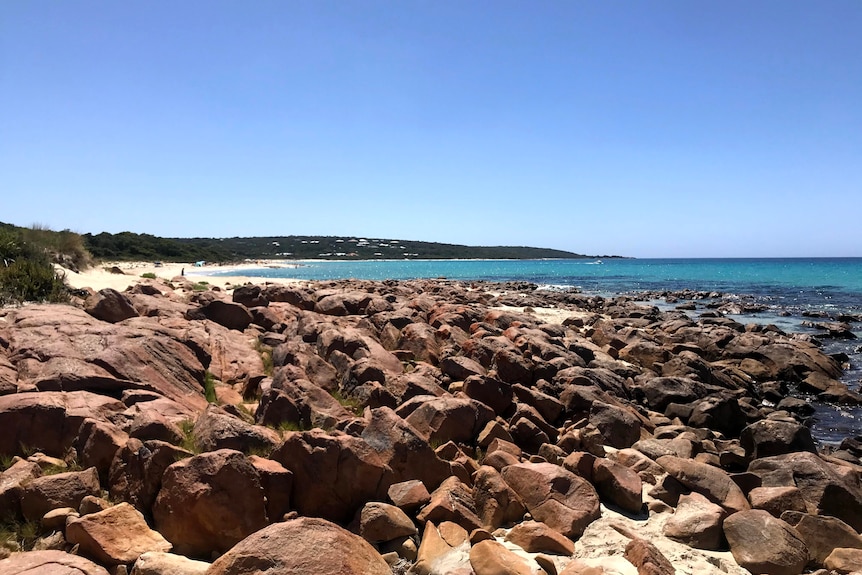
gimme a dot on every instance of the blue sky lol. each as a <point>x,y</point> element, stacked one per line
<point>649,129</point>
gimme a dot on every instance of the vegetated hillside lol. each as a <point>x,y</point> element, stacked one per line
<point>131,246</point>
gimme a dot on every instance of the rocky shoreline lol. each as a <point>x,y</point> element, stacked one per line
<point>423,427</point>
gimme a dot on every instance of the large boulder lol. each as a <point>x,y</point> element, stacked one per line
<point>828,489</point>
<point>228,314</point>
<point>50,421</point>
<point>762,543</point>
<point>136,471</point>
<point>210,502</point>
<point>445,419</point>
<point>769,437</point>
<point>451,502</point>
<point>696,522</point>
<point>61,490</point>
<point>619,427</point>
<point>333,475</point>
<point>379,522</point>
<point>303,546</point>
<point>110,305</point>
<point>822,535</point>
<point>400,446</point>
<point>496,503</point>
<point>554,496</point>
<point>618,485</point>
<point>217,429</point>
<point>707,480</point>
<point>116,536</point>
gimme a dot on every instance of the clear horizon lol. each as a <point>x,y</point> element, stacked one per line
<point>660,129</point>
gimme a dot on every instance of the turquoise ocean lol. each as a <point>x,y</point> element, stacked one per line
<point>790,290</point>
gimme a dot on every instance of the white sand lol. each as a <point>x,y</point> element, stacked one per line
<point>100,277</point>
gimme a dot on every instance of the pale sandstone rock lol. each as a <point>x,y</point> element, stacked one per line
<point>159,563</point>
<point>118,535</point>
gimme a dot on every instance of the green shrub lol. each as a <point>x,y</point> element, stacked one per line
<point>149,276</point>
<point>31,280</point>
<point>24,533</point>
<point>209,387</point>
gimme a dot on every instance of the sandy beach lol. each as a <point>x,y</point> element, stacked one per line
<point>121,275</point>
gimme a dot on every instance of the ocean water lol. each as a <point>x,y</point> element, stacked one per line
<point>790,289</point>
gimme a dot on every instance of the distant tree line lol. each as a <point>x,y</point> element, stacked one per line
<point>132,246</point>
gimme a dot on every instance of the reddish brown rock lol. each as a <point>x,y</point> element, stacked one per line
<point>303,546</point>
<point>136,471</point>
<point>12,481</point>
<point>420,339</point>
<point>496,502</point>
<point>109,305</point>
<point>777,500</point>
<point>619,427</point>
<point>555,496</point>
<point>228,314</point>
<point>115,536</point>
<point>618,485</point>
<point>409,495</point>
<point>844,560</point>
<point>277,483</point>
<point>452,501</point>
<point>379,522</point>
<point>61,490</point>
<point>401,447</point>
<point>216,429</point>
<point>98,443</point>
<point>710,481</point>
<point>333,475</point>
<point>493,558</point>
<point>827,488</point>
<point>763,544</point>
<point>768,437</point>
<point>49,563</point>
<point>696,522</point>
<point>49,421</point>
<point>822,534</point>
<point>536,537</point>
<point>209,502</point>
<point>647,558</point>
<point>450,419</point>
<point>436,555</point>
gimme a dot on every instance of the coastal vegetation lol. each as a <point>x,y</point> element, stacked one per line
<point>27,258</point>
<point>131,246</point>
